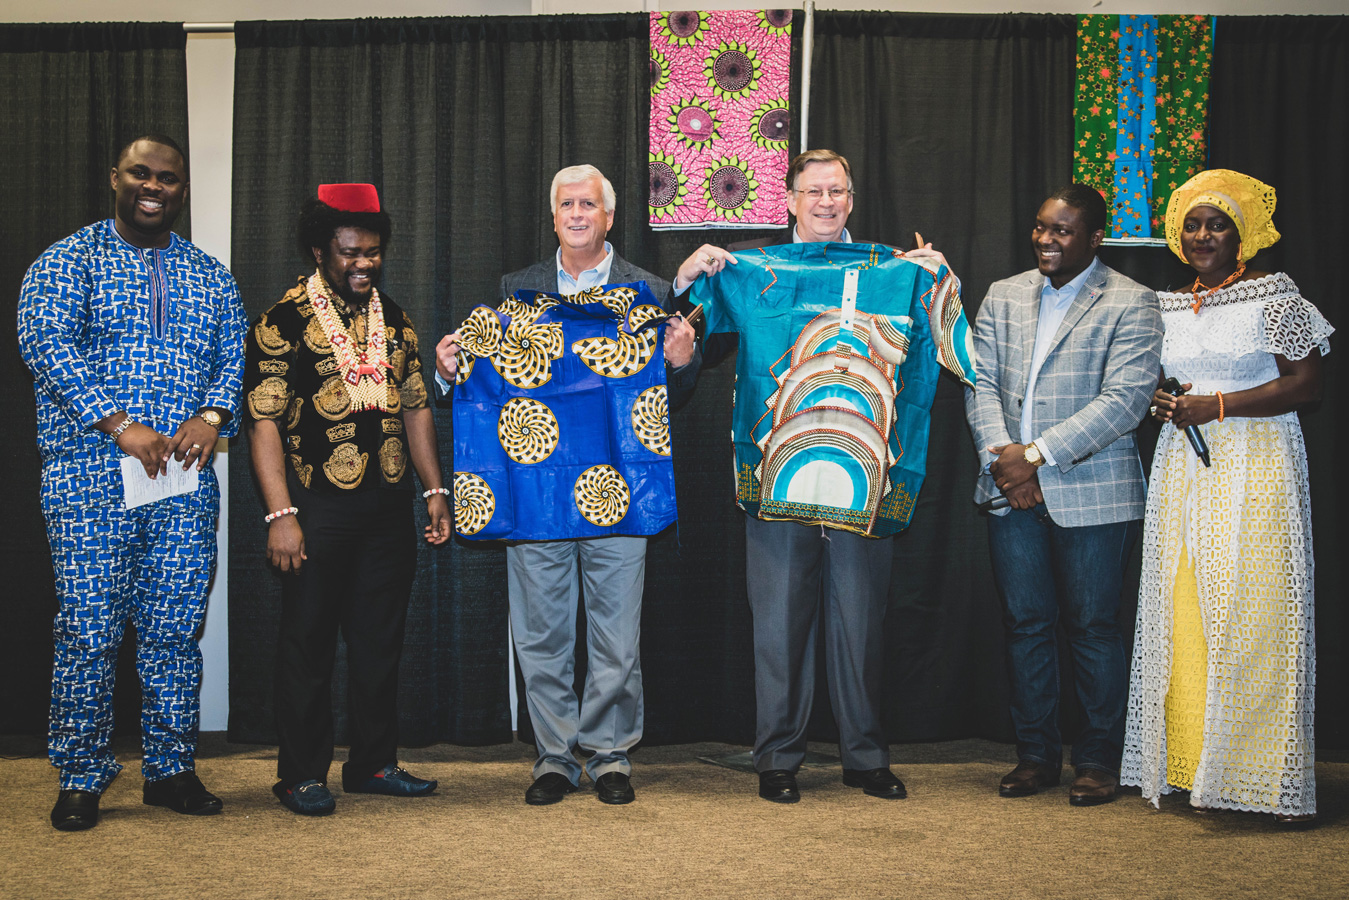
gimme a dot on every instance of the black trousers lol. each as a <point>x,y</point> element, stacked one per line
<point>362,554</point>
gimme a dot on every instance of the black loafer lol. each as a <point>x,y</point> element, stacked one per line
<point>391,781</point>
<point>550,787</point>
<point>876,782</point>
<point>779,786</point>
<point>183,793</point>
<point>615,788</point>
<point>75,811</point>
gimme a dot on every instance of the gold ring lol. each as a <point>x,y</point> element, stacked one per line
<point>196,446</point>
<point>711,259</point>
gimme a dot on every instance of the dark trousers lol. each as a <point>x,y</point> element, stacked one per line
<point>362,553</point>
<point>802,577</point>
<point>1049,574</point>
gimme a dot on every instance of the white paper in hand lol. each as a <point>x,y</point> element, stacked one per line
<point>140,489</point>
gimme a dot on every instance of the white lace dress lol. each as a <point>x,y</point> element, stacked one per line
<point>1245,526</point>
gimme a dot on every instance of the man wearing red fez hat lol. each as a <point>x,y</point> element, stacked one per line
<point>543,575</point>
<point>337,408</point>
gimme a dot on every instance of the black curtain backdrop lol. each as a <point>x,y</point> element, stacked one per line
<point>956,126</point>
<point>70,96</point>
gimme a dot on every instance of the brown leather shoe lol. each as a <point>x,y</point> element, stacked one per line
<point>1028,778</point>
<point>1092,787</point>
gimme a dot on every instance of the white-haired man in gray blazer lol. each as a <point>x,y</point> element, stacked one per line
<point>546,578</point>
<point>1068,356</point>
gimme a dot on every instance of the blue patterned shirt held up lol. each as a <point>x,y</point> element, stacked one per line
<point>561,417</point>
<point>840,350</point>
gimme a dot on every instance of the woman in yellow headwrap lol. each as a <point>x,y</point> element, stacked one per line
<point>1221,693</point>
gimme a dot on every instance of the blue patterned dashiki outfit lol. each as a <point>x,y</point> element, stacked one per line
<point>105,326</point>
<point>840,349</point>
<point>561,417</point>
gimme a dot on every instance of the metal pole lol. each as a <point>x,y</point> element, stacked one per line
<point>208,27</point>
<point>807,47</point>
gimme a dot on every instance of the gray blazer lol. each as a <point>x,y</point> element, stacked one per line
<point>1091,394</point>
<point>542,276</point>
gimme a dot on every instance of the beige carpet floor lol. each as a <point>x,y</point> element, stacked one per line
<point>696,831</point>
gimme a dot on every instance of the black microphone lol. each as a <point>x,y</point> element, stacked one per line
<point>1172,387</point>
<point>998,502</point>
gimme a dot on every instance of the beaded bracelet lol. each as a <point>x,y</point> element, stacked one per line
<point>272,517</point>
<point>1220,405</point>
<point>426,495</point>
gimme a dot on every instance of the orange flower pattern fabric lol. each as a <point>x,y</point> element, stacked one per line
<point>1141,113</point>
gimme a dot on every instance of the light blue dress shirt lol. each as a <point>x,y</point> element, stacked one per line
<point>1054,304</point>
<point>589,278</point>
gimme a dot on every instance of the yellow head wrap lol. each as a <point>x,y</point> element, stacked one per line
<point>1247,202</point>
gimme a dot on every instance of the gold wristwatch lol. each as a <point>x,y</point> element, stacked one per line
<point>212,418</point>
<point>1033,455</point>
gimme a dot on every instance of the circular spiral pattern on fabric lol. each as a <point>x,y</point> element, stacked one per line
<point>651,419</point>
<point>481,332</point>
<point>602,496</point>
<point>528,430</point>
<point>697,124</point>
<point>732,70</point>
<point>773,125</point>
<point>480,335</point>
<point>663,184</point>
<point>730,187</point>
<point>474,503</point>
<point>525,356</point>
<point>685,23</point>
<point>642,313</point>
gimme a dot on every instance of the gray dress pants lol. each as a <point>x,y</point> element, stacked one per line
<point>799,577</point>
<point>544,586</point>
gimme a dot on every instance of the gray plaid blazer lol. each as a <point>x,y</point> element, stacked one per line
<point>1091,394</point>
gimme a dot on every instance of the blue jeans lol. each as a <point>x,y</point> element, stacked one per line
<point>1045,570</point>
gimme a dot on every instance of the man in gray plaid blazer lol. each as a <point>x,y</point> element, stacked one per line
<point>1068,356</point>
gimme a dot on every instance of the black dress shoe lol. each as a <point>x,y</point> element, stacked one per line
<point>1029,778</point>
<point>550,787</point>
<point>876,782</point>
<point>75,811</point>
<point>779,786</point>
<point>615,788</point>
<point>183,793</point>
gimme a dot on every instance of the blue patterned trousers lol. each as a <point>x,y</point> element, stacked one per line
<point>153,566</point>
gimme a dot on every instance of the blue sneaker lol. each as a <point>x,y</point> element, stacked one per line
<point>308,798</point>
<point>391,781</point>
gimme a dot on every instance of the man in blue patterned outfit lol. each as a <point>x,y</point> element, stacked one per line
<point>135,341</point>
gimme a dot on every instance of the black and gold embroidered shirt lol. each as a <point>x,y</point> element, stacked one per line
<point>293,377</point>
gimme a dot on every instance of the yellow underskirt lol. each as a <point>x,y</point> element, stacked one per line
<point>1189,680</point>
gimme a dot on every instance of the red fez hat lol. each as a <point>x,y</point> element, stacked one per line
<point>358,198</point>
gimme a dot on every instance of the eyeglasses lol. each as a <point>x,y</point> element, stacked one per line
<point>816,194</point>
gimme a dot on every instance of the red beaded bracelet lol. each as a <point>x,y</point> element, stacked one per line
<point>272,517</point>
